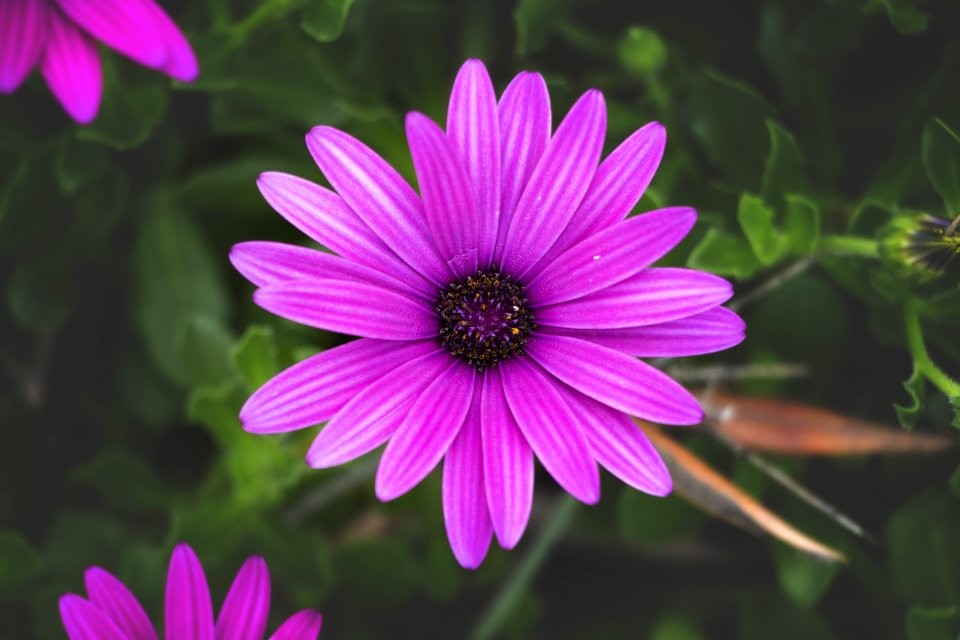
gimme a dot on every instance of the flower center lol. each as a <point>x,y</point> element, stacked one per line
<point>484,318</point>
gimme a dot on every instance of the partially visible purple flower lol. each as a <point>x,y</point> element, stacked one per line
<point>500,312</point>
<point>60,36</point>
<point>111,612</point>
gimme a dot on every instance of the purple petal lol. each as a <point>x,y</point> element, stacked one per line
<point>314,390</point>
<point>245,610</point>
<point>424,437</point>
<point>71,67</point>
<point>83,621</point>
<point>324,216</point>
<point>380,197</point>
<point>610,256</point>
<point>507,464</point>
<point>473,128</point>
<point>115,600</point>
<point>23,28</point>
<point>181,62</point>
<point>621,447</point>
<point>707,332</point>
<point>524,119</point>
<point>129,26</point>
<point>557,185</point>
<point>551,429</point>
<point>266,263</point>
<point>352,308</point>
<point>649,297</point>
<point>304,625</point>
<point>448,197</point>
<point>188,613</point>
<point>375,413</point>
<point>617,186</point>
<point>615,379</point>
<point>465,510</point>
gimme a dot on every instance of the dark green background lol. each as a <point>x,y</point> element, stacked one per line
<point>128,344</point>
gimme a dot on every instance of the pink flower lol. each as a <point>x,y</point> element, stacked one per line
<point>500,312</point>
<point>111,612</point>
<point>60,35</point>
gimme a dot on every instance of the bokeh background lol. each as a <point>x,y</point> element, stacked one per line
<point>128,344</point>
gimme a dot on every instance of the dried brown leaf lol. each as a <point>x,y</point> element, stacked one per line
<point>778,426</point>
<point>700,484</point>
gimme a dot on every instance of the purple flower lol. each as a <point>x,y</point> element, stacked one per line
<point>111,612</point>
<point>60,36</point>
<point>500,313</point>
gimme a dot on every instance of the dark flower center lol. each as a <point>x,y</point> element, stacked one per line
<point>484,318</point>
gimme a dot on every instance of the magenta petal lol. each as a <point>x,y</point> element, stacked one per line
<point>352,308</point>
<point>615,379</point>
<point>380,197</point>
<point>424,437</point>
<point>507,464</point>
<point>129,26</point>
<point>84,621</point>
<point>23,31</point>
<point>610,256</point>
<point>465,510</point>
<point>188,613</point>
<point>621,447</point>
<point>181,62</point>
<point>448,196</point>
<point>617,186</point>
<point>473,128</point>
<point>524,118</point>
<point>314,390</point>
<point>707,332</point>
<point>71,67</point>
<point>247,606</point>
<point>557,185</point>
<point>375,413</point>
<point>551,429</point>
<point>649,297</point>
<point>114,599</point>
<point>325,217</point>
<point>304,625</point>
<point>266,263</point>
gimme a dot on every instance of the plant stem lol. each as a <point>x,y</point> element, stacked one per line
<point>849,246</point>
<point>520,580</point>
<point>921,358</point>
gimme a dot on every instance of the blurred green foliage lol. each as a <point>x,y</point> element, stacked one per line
<point>801,131</point>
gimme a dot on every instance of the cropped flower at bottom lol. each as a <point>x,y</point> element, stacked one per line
<point>500,312</point>
<point>111,612</point>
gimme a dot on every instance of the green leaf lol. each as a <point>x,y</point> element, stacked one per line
<point>19,561</point>
<point>756,220</point>
<point>79,163</point>
<point>255,356</point>
<point>724,254</point>
<point>129,111</point>
<point>535,19</point>
<point>323,20</point>
<point>803,578</point>
<point>905,18</point>
<point>921,543</point>
<point>656,520</point>
<point>202,343</point>
<point>181,296</point>
<point>728,118</point>
<point>42,291</point>
<point>955,482</point>
<point>675,628</point>
<point>916,385</point>
<point>124,481</point>
<point>933,623</point>
<point>641,51</point>
<point>783,170</point>
<point>941,158</point>
<point>801,225</point>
